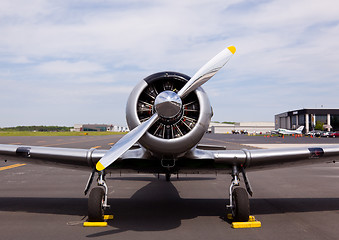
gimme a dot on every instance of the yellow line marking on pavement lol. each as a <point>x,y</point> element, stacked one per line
<point>97,147</point>
<point>110,143</point>
<point>11,166</point>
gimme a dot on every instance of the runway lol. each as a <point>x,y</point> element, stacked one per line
<point>47,202</point>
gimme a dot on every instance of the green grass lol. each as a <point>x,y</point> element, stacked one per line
<point>29,133</point>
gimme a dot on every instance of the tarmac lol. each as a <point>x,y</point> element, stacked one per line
<point>46,202</point>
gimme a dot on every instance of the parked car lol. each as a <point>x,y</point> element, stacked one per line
<point>314,133</point>
<point>326,134</point>
<point>244,132</point>
<point>335,134</point>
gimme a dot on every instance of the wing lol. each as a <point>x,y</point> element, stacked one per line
<point>203,158</point>
<point>64,157</point>
<point>266,158</point>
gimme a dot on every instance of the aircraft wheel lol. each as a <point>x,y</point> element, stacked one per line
<point>241,205</point>
<point>95,205</point>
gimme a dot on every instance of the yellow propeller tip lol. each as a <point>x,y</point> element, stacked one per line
<point>100,167</point>
<point>232,49</point>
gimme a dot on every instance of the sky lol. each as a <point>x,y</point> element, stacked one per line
<point>70,61</point>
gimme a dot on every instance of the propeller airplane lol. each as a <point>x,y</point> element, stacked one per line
<point>284,131</point>
<point>168,114</point>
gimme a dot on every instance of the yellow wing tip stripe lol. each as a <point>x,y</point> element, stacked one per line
<point>232,49</point>
<point>100,167</point>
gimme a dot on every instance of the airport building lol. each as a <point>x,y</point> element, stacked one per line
<point>99,128</point>
<point>309,118</point>
<point>249,127</point>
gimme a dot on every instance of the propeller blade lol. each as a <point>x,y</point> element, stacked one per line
<point>125,143</point>
<point>202,76</point>
<point>207,71</point>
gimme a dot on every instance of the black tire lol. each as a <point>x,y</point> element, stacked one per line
<point>95,205</point>
<point>241,205</point>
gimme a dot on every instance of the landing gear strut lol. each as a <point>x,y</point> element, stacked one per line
<point>97,201</point>
<point>239,202</point>
<point>168,176</point>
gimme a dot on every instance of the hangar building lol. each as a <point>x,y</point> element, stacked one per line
<point>250,127</point>
<point>98,128</point>
<point>308,118</point>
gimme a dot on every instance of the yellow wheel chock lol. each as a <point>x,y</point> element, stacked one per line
<point>98,224</point>
<point>252,223</point>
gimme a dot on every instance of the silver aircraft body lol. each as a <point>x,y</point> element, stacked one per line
<point>168,114</point>
<point>284,131</point>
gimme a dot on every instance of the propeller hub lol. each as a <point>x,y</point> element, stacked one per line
<point>168,104</point>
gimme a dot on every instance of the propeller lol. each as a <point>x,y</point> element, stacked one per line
<point>207,71</point>
<point>167,104</point>
<point>125,143</point>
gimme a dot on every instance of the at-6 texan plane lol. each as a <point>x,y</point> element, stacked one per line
<point>169,113</point>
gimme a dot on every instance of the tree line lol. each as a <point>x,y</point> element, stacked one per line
<point>37,128</point>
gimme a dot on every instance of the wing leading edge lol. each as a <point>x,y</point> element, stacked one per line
<point>268,158</point>
<point>66,157</point>
<point>197,159</point>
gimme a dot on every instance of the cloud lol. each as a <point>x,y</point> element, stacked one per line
<point>95,51</point>
<point>62,67</point>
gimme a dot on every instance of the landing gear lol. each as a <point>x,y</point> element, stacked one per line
<point>239,202</point>
<point>97,201</point>
<point>168,177</point>
<point>168,164</point>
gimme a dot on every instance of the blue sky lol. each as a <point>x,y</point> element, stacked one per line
<point>66,62</point>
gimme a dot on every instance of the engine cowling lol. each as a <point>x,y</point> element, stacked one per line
<point>173,135</point>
